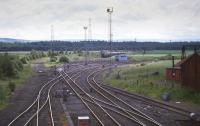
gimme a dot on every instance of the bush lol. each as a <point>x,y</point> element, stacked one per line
<point>1,73</point>
<point>30,57</point>
<point>18,65</point>
<point>23,60</point>
<point>11,86</point>
<point>52,53</point>
<point>64,59</point>
<point>53,59</point>
<point>27,58</point>
<point>8,68</point>
<point>2,94</point>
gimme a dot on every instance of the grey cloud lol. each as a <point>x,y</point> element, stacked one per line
<point>142,17</point>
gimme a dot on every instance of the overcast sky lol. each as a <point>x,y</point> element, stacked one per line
<point>141,19</point>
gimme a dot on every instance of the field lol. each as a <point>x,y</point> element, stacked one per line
<point>155,55</point>
<point>149,79</point>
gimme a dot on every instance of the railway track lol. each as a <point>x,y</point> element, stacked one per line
<point>150,101</point>
<point>101,107</point>
<point>144,99</point>
<point>175,111</point>
<point>32,114</point>
<point>27,115</point>
<point>100,114</point>
<point>120,106</point>
<point>102,102</point>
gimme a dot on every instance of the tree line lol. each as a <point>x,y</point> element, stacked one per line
<point>94,45</point>
<point>10,65</point>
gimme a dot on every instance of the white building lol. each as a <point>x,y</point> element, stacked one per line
<point>121,58</point>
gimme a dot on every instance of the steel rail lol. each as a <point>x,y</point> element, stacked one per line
<point>124,115</point>
<point>84,103</point>
<point>132,118</point>
<point>144,115</point>
<point>123,109</point>
<point>150,101</point>
<point>44,104</point>
<point>34,102</point>
<point>116,122</point>
<point>50,109</point>
<point>22,113</point>
<point>38,107</point>
<point>118,107</point>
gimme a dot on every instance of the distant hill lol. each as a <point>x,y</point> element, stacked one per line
<point>11,40</point>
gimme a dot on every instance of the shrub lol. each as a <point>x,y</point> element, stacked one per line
<point>64,59</point>
<point>18,65</point>
<point>27,58</point>
<point>11,86</point>
<point>1,73</point>
<point>30,57</point>
<point>2,94</point>
<point>52,53</point>
<point>23,60</point>
<point>8,68</point>
<point>53,59</point>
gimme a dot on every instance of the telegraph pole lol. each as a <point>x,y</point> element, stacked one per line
<point>85,30</point>
<point>110,11</point>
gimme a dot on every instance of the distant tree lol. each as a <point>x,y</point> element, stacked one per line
<point>64,59</point>
<point>94,45</point>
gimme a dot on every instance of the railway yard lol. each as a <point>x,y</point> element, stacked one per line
<point>99,63</point>
<point>77,90</point>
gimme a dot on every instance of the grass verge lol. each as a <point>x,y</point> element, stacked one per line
<point>149,80</point>
<point>4,90</point>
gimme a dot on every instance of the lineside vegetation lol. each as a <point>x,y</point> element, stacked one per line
<point>149,79</point>
<point>14,70</point>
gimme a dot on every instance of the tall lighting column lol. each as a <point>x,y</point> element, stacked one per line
<point>52,36</point>
<point>110,11</point>
<point>85,29</point>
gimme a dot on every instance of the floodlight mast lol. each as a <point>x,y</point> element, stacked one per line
<point>90,30</point>
<point>52,36</point>
<point>85,29</point>
<point>110,11</point>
